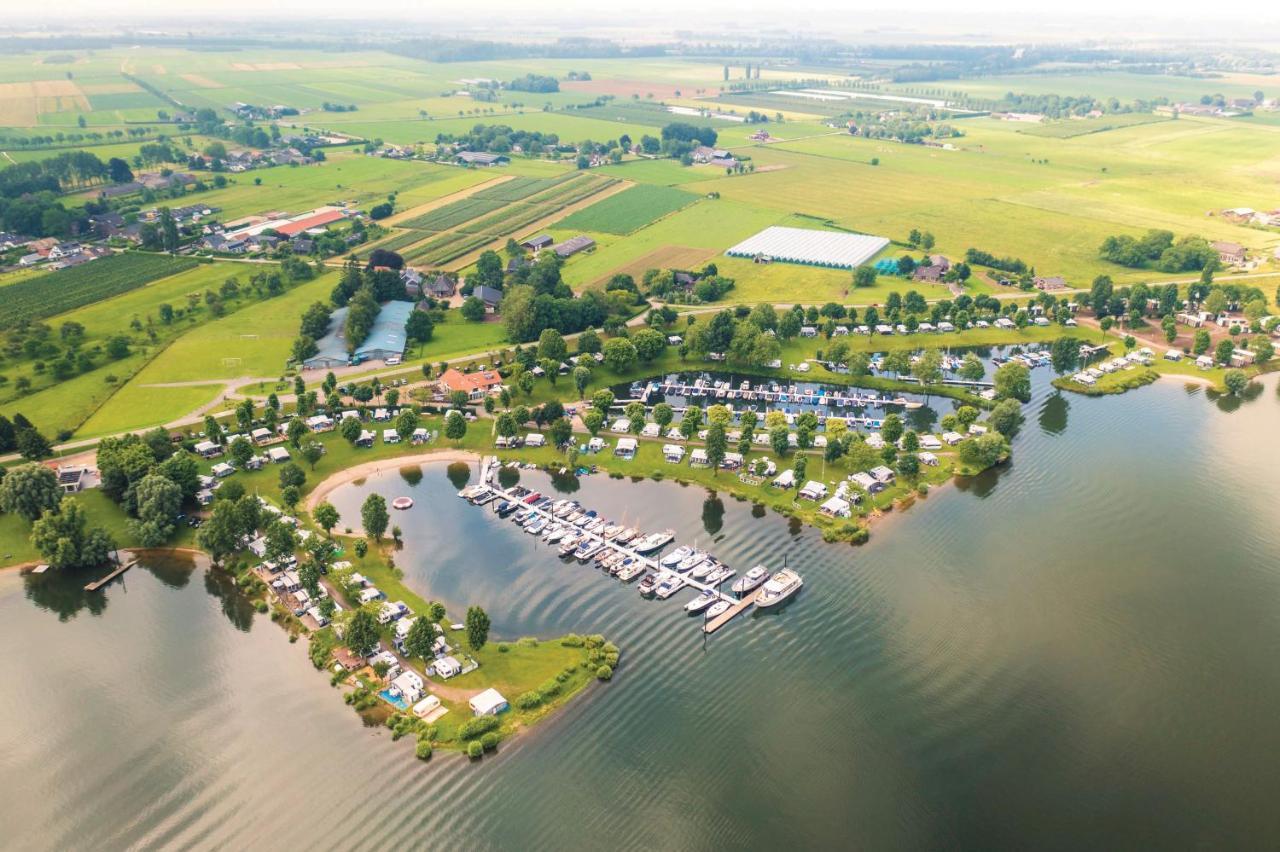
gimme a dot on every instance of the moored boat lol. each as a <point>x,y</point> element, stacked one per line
<point>648,583</point>
<point>719,575</point>
<point>718,608</point>
<point>668,586</point>
<point>779,588</point>
<point>702,601</point>
<point>675,557</point>
<point>750,580</point>
<point>654,541</point>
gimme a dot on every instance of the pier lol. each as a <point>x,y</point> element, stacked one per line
<point>737,605</point>
<point>791,394</point>
<point>124,559</point>
<point>730,614</point>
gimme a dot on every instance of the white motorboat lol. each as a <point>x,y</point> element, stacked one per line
<point>718,608</point>
<point>569,543</point>
<point>596,526</point>
<point>668,586</point>
<point>554,534</point>
<point>675,557</point>
<point>626,535</point>
<point>704,568</point>
<point>695,557</point>
<point>535,526</point>
<point>702,601</point>
<point>719,575</point>
<point>628,572</point>
<point>779,588</point>
<point>750,580</point>
<point>654,541</point>
<point>586,554</point>
<point>611,531</point>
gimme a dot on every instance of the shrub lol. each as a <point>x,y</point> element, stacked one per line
<point>503,647</point>
<point>573,640</point>
<point>527,642</point>
<point>528,700</point>
<point>474,750</point>
<point>604,673</point>
<point>423,750</point>
<point>473,728</point>
<point>261,606</point>
<point>550,689</point>
<point>489,741</point>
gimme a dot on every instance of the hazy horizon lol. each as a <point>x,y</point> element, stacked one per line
<point>1135,21</point>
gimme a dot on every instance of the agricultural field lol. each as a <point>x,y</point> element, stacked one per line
<point>1069,128</point>
<point>67,289</point>
<point>345,175</point>
<point>626,211</point>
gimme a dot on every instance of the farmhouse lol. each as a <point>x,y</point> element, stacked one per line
<point>439,287</point>
<point>1232,254</point>
<point>815,248</point>
<point>476,385</point>
<point>573,245</point>
<point>492,298</point>
<point>1051,282</point>
<point>537,243</point>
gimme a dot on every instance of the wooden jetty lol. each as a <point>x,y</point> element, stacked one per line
<point>124,559</point>
<point>728,615</point>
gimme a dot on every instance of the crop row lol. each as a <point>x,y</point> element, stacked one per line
<point>67,289</point>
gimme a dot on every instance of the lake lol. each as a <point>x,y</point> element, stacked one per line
<point>1076,650</point>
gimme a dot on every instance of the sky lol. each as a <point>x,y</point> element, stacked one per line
<point>1108,20</point>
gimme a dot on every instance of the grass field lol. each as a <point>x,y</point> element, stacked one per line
<point>1070,128</point>
<point>136,406</point>
<point>626,211</point>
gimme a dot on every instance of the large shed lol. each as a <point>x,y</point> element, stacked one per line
<point>816,248</point>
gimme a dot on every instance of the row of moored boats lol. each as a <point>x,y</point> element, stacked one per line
<point>626,553</point>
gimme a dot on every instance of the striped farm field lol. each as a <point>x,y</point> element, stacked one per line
<point>452,215</point>
<point>67,289</point>
<point>629,210</point>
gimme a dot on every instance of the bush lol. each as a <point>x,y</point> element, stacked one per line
<point>527,642</point>
<point>573,640</point>
<point>604,673</point>
<point>550,689</point>
<point>489,741</point>
<point>528,700</point>
<point>474,750</point>
<point>261,606</point>
<point>503,647</point>
<point>473,728</point>
<point>423,750</point>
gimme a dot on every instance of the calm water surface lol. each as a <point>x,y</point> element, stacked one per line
<point>1077,651</point>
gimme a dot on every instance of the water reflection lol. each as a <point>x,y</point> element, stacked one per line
<point>412,475</point>
<point>459,474</point>
<point>922,419</point>
<point>173,568</point>
<point>565,482</point>
<point>1053,414</point>
<point>235,604</point>
<point>984,484</point>
<point>62,592</point>
<point>508,477</point>
<point>712,513</point>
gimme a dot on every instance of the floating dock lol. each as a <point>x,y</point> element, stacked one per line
<point>733,612</point>
<point>125,560</point>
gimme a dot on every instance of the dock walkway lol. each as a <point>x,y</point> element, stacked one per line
<point>734,611</point>
<point>125,560</point>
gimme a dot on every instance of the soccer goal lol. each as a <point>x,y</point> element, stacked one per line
<point>231,362</point>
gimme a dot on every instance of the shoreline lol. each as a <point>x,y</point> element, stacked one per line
<point>348,475</point>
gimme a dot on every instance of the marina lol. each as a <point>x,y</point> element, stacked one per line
<point>583,535</point>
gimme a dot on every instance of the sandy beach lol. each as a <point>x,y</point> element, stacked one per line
<point>360,471</point>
